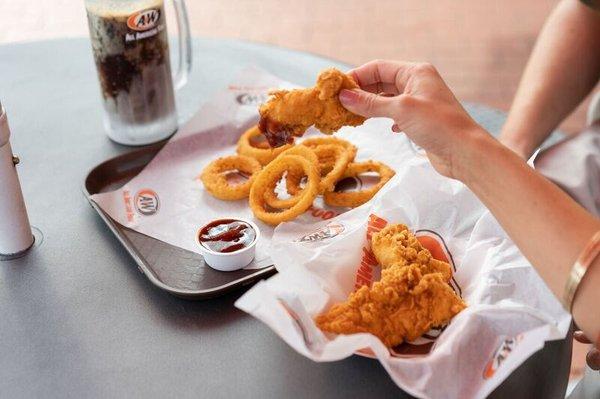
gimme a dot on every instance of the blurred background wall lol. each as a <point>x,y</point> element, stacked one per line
<point>479,46</point>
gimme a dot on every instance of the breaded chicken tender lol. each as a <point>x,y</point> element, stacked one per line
<point>289,113</point>
<point>395,244</point>
<point>412,296</point>
<point>400,307</point>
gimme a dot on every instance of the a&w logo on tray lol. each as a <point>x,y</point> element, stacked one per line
<point>146,202</point>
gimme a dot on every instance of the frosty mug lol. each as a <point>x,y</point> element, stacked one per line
<point>131,51</point>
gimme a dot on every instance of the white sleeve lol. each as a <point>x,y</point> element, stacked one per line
<point>574,165</point>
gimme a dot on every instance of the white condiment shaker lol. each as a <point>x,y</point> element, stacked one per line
<point>15,231</point>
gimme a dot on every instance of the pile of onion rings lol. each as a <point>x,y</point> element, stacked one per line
<point>303,171</point>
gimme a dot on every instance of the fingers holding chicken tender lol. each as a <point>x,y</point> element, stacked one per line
<point>289,113</point>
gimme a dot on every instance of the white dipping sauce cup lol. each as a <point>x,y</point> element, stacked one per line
<point>230,261</point>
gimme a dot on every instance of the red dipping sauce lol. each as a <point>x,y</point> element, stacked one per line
<point>275,133</point>
<point>226,235</point>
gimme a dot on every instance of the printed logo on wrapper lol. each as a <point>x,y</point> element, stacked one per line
<point>128,207</point>
<point>146,202</point>
<point>321,213</point>
<point>251,98</point>
<point>144,20</point>
<point>504,350</point>
<point>369,271</point>
<point>357,183</point>
<point>328,231</point>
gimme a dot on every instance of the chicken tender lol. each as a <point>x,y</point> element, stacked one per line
<point>412,296</point>
<point>396,245</point>
<point>289,113</point>
<point>400,307</point>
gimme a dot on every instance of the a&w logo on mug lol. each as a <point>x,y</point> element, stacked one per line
<point>143,20</point>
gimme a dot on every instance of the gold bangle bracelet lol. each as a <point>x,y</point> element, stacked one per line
<point>585,259</point>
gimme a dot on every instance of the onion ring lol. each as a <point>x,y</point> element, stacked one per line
<point>215,179</point>
<point>271,197</point>
<point>342,159</point>
<point>262,155</point>
<point>269,176</point>
<point>330,176</point>
<point>313,142</point>
<point>353,199</point>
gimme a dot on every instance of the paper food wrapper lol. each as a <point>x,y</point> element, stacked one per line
<point>324,255</point>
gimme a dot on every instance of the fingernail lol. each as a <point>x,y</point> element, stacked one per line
<point>348,97</point>
<point>580,336</point>
<point>395,128</point>
<point>593,359</point>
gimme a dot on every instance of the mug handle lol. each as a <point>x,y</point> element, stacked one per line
<point>185,45</point>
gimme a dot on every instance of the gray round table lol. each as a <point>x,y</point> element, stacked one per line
<point>76,317</point>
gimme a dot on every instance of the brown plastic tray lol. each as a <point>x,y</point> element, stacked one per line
<point>175,270</point>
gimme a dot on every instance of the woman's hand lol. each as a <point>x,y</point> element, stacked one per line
<point>422,106</point>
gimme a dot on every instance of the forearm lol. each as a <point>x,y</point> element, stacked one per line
<point>545,223</point>
<point>563,68</point>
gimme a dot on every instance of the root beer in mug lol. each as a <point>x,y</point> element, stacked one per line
<point>131,51</point>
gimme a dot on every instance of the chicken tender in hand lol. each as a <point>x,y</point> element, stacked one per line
<point>395,244</point>
<point>289,113</point>
<point>400,307</point>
